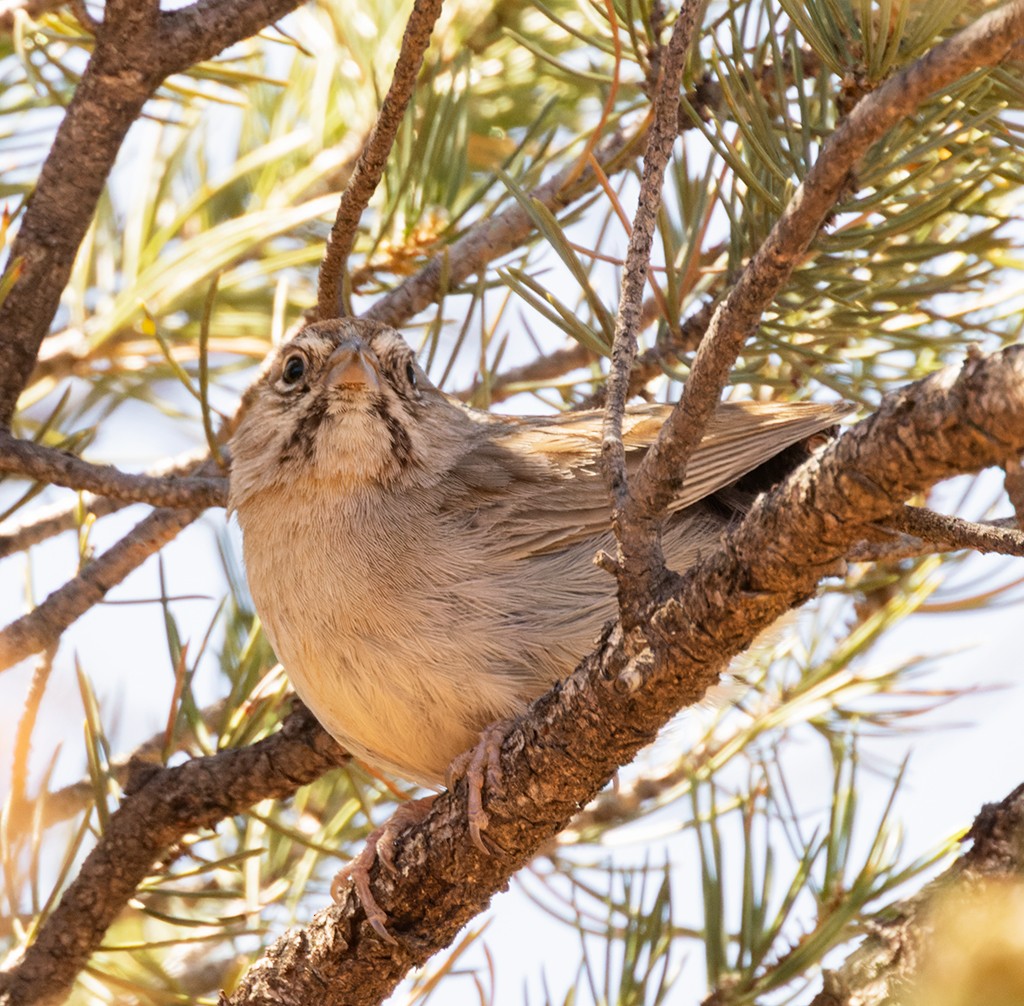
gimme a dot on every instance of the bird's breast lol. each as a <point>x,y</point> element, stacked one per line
<point>389,626</point>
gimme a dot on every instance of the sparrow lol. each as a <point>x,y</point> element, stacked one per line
<point>423,569</point>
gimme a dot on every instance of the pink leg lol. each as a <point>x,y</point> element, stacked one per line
<point>379,846</point>
<point>481,765</point>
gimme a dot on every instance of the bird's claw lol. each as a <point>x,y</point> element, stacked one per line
<point>481,764</point>
<point>379,847</point>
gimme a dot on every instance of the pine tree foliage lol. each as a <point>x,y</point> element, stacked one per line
<point>761,835</point>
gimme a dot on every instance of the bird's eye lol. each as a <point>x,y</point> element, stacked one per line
<point>410,374</point>
<point>294,368</point>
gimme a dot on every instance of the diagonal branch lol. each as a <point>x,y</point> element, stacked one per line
<point>52,520</point>
<point>498,235</point>
<point>984,43</point>
<point>161,808</point>
<point>43,626</point>
<point>370,166</point>
<point>570,742</point>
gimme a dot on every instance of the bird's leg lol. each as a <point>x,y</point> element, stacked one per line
<point>379,846</point>
<point>480,764</point>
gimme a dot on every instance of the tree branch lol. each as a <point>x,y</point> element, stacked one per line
<point>53,520</point>
<point>49,521</point>
<point>984,43</point>
<point>44,464</point>
<point>162,806</point>
<point>370,166</point>
<point>646,366</point>
<point>935,533</point>
<point>537,371</point>
<point>949,534</point>
<point>43,626</point>
<point>660,140</point>
<point>137,48</point>
<point>564,749</point>
<point>497,235</point>
<point>889,959</point>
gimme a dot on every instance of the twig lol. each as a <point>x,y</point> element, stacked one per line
<point>543,368</point>
<point>163,806</point>
<point>85,19</point>
<point>569,743</point>
<point>498,235</point>
<point>20,457</point>
<point>42,627</point>
<point>984,43</point>
<point>651,362</point>
<point>495,236</point>
<point>947,534</point>
<point>646,366</point>
<point>370,166</point>
<point>662,136</point>
<point>49,521</point>
<point>892,546</point>
<point>137,47</point>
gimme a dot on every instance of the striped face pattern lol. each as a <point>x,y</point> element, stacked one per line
<point>343,399</point>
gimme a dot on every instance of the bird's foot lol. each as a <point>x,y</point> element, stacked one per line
<point>379,846</point>
<point>481,765</point>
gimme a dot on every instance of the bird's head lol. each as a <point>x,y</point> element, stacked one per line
<point>342,405</point>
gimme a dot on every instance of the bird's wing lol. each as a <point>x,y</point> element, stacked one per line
<point>556,497</point>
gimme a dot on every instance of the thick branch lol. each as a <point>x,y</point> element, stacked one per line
<point>886,964</point>
<point>559,755</point>
<point>370,166</point>
<point>163,806</point>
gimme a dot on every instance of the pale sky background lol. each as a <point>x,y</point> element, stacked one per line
<point>976,756</point>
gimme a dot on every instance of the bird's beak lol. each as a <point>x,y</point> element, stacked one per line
<point>352,365</point>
